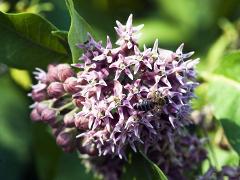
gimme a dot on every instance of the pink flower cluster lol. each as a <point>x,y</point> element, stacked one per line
<point>114,80</point>
<point>120,97</point>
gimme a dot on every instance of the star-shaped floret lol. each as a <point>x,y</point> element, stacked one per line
<point>128,34</point>
<point>122,65</point>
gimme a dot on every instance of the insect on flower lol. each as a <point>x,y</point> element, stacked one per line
<point>154,103</point>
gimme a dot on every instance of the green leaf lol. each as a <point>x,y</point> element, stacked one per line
<point>46,152</point>
<point>201,97</point>
<point>63,35</point>
<point>78,30</point>
<point>27,41</point>
<point>63,38</point>
<point>15,131</point>
<point>157,172</point>
<point>141,168</point>
<point>70,167</point>
<point>218,49</point>
<point>224,95</point>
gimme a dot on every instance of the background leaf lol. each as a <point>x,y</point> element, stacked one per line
<point>15,132</point>
<point>141,168</point>
<point>46,152</point>
<point>71,168</point>
<point>78,30</point>
<point>224,94</point>
<point>27,41</point>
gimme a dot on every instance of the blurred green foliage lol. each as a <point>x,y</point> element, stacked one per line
<point>211,28</point>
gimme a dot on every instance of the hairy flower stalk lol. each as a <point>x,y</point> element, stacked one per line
<point>120,97</point>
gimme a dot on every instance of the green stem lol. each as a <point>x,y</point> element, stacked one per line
<point>66,106</point>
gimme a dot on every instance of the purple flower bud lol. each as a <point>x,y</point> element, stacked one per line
<point>48,115</point>
<point>78,101</point>
<point>66,139</point>
<point>70,85</point>
<point>89,149</point>
<point>55,89</point>
<point>39,95</point>
<point>69,119</point>
<point>35,116</point>
<point>40,107</point>
<point>81,122</point>
<point>52,74</point>
<point>56,130</point>
<point>64,71</point>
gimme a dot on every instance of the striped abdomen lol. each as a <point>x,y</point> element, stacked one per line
<point>146,105</point>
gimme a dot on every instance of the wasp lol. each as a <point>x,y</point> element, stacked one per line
<point>155,103</point>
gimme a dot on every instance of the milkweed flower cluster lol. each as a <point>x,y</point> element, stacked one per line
<point>119,96</point>
<point>115,80</point>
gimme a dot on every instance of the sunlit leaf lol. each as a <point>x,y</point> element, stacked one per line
<point>224,94</point>
<point>21,77</point>
<point>218,49</point>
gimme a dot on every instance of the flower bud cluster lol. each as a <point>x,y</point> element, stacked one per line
<point>53,102</point>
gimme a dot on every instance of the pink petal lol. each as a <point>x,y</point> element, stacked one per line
<point>179,49</point>
<point>137,82</point>
<point>129,45</point>
<point>171,120</point>
<point>102,82</point>
<point>138,28</point>
<point>120,112</point>
<point>129,22</point>
<point>129,74</point>
<point>136,67</point>
<point>115,64</point>
<point>98,91</point>
<point>155,46</point>
<point>109,44</point>
<point>100,57</point>
<point>118,72</point>
<point>146,62</point>
<point>136,50</point>
<point>117,88</point>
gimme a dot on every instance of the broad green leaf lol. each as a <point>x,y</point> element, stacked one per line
<point>230,66</point>
<point>224,94</point>
<point>27,41</point>
<point>46,152</point>
<point>201,97</point>
<point>15,131</point>
<point>78,30</point>
<point>63,35</point>
<point>218,49</point>
<point>157,172</point>
<point>70,167</point>
<point>63,38</point>
<point>219,158</point>
<point>140,167</point>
